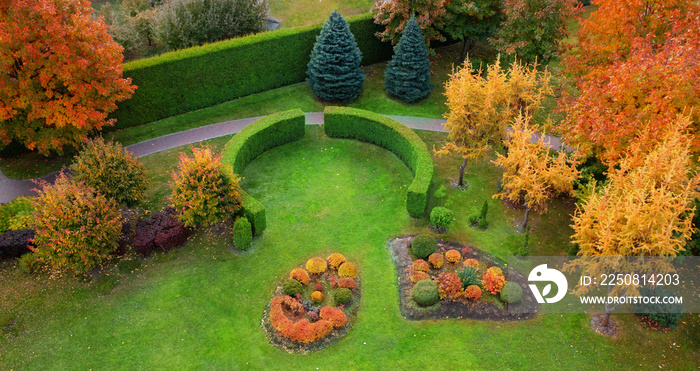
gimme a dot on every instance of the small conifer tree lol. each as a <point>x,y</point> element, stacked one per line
<point>407,76</point>
<point>334,69</point>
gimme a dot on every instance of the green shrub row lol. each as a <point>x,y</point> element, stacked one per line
<point>198,77</point>
<point>263,134</point>
<point>344,122</point>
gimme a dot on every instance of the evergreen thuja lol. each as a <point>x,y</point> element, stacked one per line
<point>407,76</point>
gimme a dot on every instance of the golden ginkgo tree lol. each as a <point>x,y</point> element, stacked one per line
<point>481,106</point>
<point>532,172</point>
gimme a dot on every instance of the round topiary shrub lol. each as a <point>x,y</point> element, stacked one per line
<point>316,265</point>
<point>347,269</point>
<point>511,293</point>
<point>472,292</point>
<point>421,265</point>
<point>441,217</point>
<point>292,287</point>
<point>300,275</point>
<point>317,297</point>
<point>346,282</point>
<point>423,245</point>
<point>471,263</point>
<point>436,260</point>
<point>342,295</point>
<point>335,260</point>
<point>425,293</point>
<point>419,276</point>
<point>453,256</point>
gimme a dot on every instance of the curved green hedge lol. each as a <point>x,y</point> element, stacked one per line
<point>344,122</point>
<point>199,77</point>
<point>261,135</point>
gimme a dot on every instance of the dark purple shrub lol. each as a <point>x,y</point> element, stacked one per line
<point>14,243</point>
<point>161,232</point>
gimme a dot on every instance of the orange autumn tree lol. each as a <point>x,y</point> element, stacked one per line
<point>481,106</point>
<point>646,208</point>
<point>531,174</point>
<point>395,14</point>
<point>61,76</point>
<point>635,69</point>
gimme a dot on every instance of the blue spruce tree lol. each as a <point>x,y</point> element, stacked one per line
<point>334,70</point>
<point>407,77</point>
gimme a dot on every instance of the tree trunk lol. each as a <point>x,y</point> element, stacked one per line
<point>527,213</point>
<point>461,173</point>
<point>467,45</point>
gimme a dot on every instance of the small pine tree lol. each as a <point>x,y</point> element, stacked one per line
<point>334,69</point>
<point>407,76</point>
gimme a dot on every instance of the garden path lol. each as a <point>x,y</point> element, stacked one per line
<point>11,189</point>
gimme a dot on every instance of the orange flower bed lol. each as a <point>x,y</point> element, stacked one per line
<point>301,331</point>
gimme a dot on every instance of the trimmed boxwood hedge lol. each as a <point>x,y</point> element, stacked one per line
<point>261,135</point>
<point>189,79</point>
<point>345,122</point>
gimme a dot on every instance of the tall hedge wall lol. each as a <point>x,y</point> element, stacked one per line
<point>345,122</point>
<point>261,135</point>
<point>198,77</point>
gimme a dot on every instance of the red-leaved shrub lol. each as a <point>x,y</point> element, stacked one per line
<point>421,265</point>
<point>346,282</point>
<point>449,285</point>
<point>335,316</point>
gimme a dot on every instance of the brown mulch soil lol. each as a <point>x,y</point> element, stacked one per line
<point>597,324</point>
<point>447,308</point>
<point>350,309</point>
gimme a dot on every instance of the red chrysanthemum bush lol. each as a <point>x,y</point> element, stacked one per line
<point>316,265</point>
<point>347,269</point>
<point>334,315</point>
<point>419,276</point>
<point>449,285</point>
<point>492,281</point>
<point>471,263</point>
<point>301,275</point>
<point>436,260</point>
<point>346,282</point>
<point>421,265</point>
<point>472,293</point>
<point>301,331</point>
<point>335,260</point>
<point>204,190</point>
<point>453,256</point>
<point>76,227</point>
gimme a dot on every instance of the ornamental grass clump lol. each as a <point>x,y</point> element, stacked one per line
<point>204,190</point>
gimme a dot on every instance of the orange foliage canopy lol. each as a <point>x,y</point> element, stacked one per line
<point>635,69</point>
<point>61,73</point>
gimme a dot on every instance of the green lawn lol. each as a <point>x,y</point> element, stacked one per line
<point>200,306</point>
<point>305,12</point>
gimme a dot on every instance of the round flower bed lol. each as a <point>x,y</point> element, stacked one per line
<point>456,282</point>
<point>314,306</point>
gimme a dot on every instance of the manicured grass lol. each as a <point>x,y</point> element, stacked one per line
<point>306,12</point>
<point>200,306</point>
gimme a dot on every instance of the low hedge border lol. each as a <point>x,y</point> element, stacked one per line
<point>345,122</point>
<point>189,79</point>
<point>261,135</point>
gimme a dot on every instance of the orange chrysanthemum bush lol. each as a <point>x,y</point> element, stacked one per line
<point>346,282</point>
<point>449,285</point>
<point>76,227</point>
<point>347,269</point>
<point>471,263</point>
<point>419,276</point>
<point>453,256</point>
<point>493,280</point>
<point>335,260</point>
<point>472,293</point>
<point>334,315</point>
<point>436,260</point>
<point>204,190</point>
<point>301,275</point>
<point>421,265</point>
<point>316,265</point>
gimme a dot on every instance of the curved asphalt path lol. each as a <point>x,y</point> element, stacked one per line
<point>11,189</point>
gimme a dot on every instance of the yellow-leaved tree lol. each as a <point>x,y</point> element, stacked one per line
<point>645,209</point>
<point>480,107</point>
<point>532,175</point>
